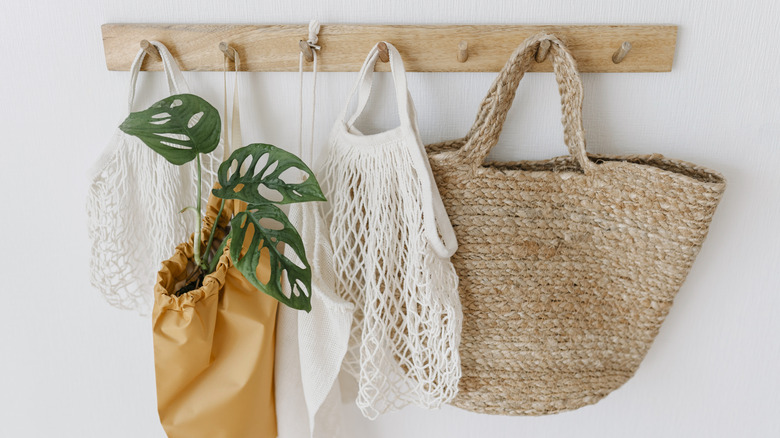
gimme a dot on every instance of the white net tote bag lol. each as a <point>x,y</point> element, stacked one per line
<point>133,205</point>
<point>392,241</point>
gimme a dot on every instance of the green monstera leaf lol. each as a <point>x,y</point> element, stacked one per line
<point>271,238</point>
<point>178,127</point>
<point>256,174</point>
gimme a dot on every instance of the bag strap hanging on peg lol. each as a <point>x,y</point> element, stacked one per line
<point>439,231</point>
<point>234,141</point>
<point>365,83</point>
<point>309,50</point>
<point>176,82</point>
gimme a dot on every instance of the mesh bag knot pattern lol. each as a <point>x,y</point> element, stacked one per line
<point>385,232</point>
<point>133,205</point>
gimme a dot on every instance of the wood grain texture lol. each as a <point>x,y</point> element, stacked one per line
<point>425,48</point>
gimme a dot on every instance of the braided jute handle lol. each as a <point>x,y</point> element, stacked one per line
<point>483,135</point>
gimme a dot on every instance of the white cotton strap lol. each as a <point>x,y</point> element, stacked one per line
<point>365,82</point>
<point>438,229</point>
<point>364,91</point>
<point>235,141</point>
<point>314,30</point>
<point>363,87</point>
<point>176,82</point>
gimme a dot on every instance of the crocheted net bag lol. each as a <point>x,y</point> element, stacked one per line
<point>133,205</point>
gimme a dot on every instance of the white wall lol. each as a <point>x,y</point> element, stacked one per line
<point>72,366</point>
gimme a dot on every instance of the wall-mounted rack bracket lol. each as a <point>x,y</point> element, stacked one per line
<point>434,48</point>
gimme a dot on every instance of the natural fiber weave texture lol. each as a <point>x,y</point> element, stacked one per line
<point>567,266</point>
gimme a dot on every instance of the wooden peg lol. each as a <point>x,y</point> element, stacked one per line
<point>463,51</point>
<point>621,52</point>
<point>383,54</point>
<point>542,51</point>
<point>151,50</point>
<point>306,50</point>
<point>228,50</point>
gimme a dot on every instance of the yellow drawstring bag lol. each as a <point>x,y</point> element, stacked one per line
<point>214,346</point>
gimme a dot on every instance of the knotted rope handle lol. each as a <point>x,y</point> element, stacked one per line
<point>485,131</point>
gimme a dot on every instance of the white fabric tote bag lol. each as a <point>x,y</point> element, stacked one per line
<point>133,205</point>
<point>392,241</point>
<point>310,347</point>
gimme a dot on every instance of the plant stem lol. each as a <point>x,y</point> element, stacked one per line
<point>217,255</point>
<point>211,237</point>
<point>196,250</point>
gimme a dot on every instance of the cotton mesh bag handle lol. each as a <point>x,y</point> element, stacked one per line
<point>392,239</point>
<point>567,266</point>
<point>176,85</point>
<point>438,228</point>
<point>133,205</point>
<point>176,82</point>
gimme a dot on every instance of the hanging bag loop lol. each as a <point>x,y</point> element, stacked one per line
<point>484,134</point>
<point>234,140</point>
<point>438,228</point>
<point>176,82</point>
<point>365,83</point>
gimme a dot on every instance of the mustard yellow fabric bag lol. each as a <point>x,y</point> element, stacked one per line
<point>214,346</point>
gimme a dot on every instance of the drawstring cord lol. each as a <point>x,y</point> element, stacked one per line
<point>314,30</point>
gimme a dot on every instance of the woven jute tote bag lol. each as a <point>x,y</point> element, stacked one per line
<point>567,266</point>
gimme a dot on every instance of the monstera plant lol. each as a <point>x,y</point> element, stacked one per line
<point>184,126</point>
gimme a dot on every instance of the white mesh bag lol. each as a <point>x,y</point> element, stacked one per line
<point>133,205</point>
<point>392,241</point>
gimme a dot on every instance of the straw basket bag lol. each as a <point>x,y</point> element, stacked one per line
<point>567,266</point>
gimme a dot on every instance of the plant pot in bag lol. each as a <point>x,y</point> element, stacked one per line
<point>214,345</point>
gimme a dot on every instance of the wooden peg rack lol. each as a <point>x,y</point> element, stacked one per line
<point>434,48</point>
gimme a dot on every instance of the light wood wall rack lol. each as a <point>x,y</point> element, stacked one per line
<point>434,48</point>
